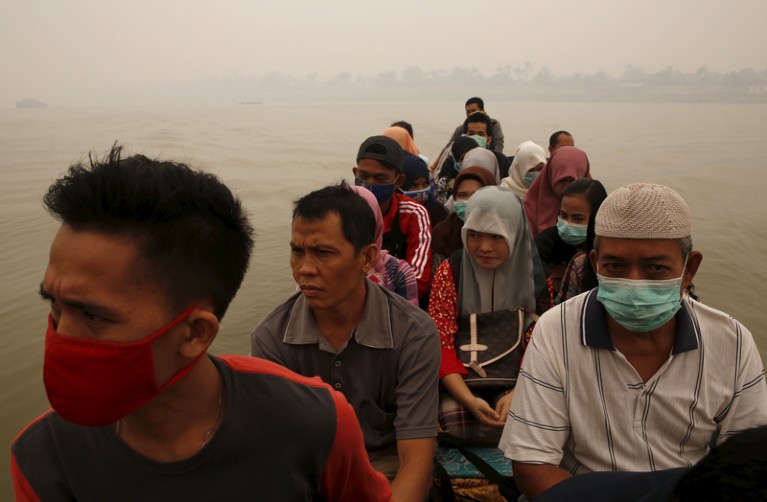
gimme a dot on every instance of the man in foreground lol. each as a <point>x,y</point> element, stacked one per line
<point>378,349</point>
<point>147,259</point>
<point>631,376</point>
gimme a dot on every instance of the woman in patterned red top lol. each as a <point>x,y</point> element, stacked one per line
<point>498,270</point>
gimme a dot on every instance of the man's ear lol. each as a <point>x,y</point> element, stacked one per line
<point>203,328</point>
<point>354,170</point>
<point>694,258</point>
<point>489,140</point>
<point>400,180</point>
<point>369,255</point>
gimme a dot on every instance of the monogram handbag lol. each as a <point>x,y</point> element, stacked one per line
<point>490,346</point>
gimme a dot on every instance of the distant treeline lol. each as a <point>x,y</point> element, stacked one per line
<point>507,83</point>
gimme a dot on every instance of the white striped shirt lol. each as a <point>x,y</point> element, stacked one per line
<point>581,405</point>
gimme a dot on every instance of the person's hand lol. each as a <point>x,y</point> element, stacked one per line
<point>503,405</point>
<point>483,412</point>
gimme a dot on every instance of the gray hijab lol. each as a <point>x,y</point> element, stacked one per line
<point>481,157</point>
<point>497,210</point>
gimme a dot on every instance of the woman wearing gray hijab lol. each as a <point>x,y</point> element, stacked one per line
<point>481,157</point>
<point>498,270</point>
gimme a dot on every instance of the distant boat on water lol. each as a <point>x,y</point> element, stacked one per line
<point>30,103</point>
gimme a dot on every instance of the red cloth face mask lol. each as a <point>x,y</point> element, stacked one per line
<point>95,382</point>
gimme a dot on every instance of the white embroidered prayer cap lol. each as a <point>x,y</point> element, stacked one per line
<point>643,211</point>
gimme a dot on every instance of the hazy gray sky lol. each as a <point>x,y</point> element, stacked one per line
<point>52,49</point>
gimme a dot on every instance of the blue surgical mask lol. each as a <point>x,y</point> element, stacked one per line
<point>382,192</point>
<point>460,208</point>
<point>420,195</point>
<point>530,177</point>
<point>457,164</point>
<point>481,140</point>
<point>640,305</point>
<point>572,233</point>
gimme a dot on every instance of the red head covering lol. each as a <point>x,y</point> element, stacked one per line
<point>541,203</point>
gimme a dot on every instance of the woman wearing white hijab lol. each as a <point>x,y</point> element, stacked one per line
<point>528,162</point>
<point>497,271</point>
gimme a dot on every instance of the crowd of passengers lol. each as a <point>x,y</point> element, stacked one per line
<point>510,302</point>
<point>479,237</point>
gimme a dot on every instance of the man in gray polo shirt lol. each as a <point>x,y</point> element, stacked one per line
<point>632,376</point>
<point>379,350</point>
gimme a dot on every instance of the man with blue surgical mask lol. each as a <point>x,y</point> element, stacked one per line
<point>632,375</point>
<point>407,228</point>
<point>419,186</point>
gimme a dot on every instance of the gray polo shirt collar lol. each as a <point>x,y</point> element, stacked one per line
<point>594,332</point>
<point>374,329</point>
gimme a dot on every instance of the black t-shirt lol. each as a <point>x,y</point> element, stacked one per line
<point>265,449</point>
<point>552,249</point>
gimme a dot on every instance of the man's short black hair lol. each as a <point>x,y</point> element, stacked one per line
<point>478,117</point>
<point>475,100</point>
<point>554,138</point>
<point>192,233</point>
<point>406,126</point>
<point>357,219</point>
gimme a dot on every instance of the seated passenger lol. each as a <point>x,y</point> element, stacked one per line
<point>446,237</point>
<point>526,165</point>
<point>560,139</point>
<point>578,275</point>
<point>409,128</point>
<point>481,157</point>
<point>418,186</point>
<point>390,272</point>
<point>632,376</point>
<point>495,271</point>
<point>407,230</point>
<point>557,245</point>
<point>477,105</point>
<point>452,166</point>
<point>148,256</point>
<point>544,196</point>
<point>367,342</point>
<point>403,139</point>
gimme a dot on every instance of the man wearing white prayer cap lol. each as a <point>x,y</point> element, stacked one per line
<point>632,376</point>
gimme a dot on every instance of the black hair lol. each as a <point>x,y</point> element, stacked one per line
<point>193,235</point>
<point>594,193</point>
<point>475,100</point>
<point>734,470</point>
<point>357,219</point>
<point>462,145</point>
<point>406,126</point>
<point>478,117</point>
<point>554,138</point>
